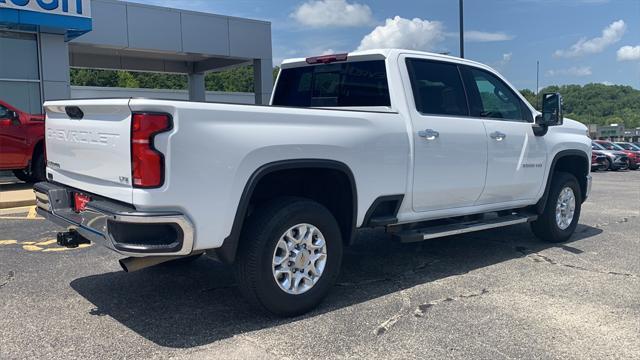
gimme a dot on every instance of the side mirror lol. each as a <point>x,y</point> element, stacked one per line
<point>551,110</point>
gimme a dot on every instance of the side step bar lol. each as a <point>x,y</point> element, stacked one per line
<point>432,232</point>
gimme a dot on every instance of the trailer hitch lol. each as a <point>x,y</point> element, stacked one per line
<point>71,239</point>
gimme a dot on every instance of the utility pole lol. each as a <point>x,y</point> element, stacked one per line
<point>462,29</point>
<point>537,82</point>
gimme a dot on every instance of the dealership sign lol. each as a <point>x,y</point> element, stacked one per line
<point>61,7</point>
<point>72,16</point>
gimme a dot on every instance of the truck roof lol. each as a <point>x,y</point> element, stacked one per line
<point>388,53</point>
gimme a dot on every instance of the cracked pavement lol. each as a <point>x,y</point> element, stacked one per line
<point>488,295</point>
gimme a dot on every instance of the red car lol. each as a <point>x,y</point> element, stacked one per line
<point>634,156</point>
<point>22,143</point>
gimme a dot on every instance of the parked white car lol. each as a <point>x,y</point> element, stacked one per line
<point>382,138</point>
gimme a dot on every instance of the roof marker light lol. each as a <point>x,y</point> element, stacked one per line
<point>326,59</point>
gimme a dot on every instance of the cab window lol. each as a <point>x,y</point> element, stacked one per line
<point>490,97</point>
<point>437,88</point>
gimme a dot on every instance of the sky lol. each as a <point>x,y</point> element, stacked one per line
<point>575,41</point>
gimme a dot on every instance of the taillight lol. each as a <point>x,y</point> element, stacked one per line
<point>147,163</point>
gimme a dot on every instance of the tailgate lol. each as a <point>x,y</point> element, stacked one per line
<point>91,151</point>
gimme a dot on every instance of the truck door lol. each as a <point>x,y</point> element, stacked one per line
<point>516,156</point>
<point>450,147</point>
<point>13,141</point>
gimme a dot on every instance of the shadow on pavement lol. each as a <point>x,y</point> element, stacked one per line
<point>197,304</point>
<point>9,186</point>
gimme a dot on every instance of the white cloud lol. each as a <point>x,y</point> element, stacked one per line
<point>629,53</point>
<point>610,35</point>
<point>482,36</point>
<point>506,57</point>
<point>324,13</point>
<point>416,34</point>
<point>572,71</point>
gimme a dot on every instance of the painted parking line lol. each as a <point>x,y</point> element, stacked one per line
<point>42,246</point>
<point>32,213</point>
<point>17,214</point>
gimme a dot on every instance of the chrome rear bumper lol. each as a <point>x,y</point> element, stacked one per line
<point>117,226</point>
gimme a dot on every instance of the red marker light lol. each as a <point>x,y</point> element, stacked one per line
<point>80,202</point>
<point>326,59</point>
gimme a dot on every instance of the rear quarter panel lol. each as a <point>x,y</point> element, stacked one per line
<point>215,148</point>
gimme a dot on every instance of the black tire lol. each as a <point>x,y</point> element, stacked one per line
<point>36,172</point>
<point>607,164</point>
<point>22,175</point>
<point>545,227</point>
<point>260,236</point>
<point>38,167</point>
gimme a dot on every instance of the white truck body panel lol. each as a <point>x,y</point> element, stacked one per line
<point>93,153</point>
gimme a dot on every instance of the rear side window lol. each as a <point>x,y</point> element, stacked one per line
<point>437,88</point>
<point>361,83</point>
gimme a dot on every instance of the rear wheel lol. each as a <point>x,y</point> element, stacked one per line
<point>562,210</point>
<point>38,167</point>
<point>22,175</point>
<point>607,164</point>
<point>289,256</point>
<point>35,172</point>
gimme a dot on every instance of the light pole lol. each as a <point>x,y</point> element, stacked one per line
<point>462,28</point>
<point>537,83</point>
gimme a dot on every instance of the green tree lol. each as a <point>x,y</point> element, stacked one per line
<point>596,103</point>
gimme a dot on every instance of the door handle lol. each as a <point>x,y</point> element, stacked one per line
<point>498,136</point>
<point>428,134</point>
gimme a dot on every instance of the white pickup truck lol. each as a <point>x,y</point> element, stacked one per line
<point>424,145</point>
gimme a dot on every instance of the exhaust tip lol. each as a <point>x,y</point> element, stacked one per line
<point>132,264</point>
<point>123,265</point>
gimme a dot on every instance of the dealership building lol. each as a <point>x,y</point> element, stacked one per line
<point>40,40</point>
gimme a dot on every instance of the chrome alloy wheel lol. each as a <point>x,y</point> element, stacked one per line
<point>299,258</point>
<point>565,208</point>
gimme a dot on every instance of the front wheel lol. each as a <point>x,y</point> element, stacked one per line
<point>562,210</point>
<point>289,256</point>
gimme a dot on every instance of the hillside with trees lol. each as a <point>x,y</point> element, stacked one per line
<point>596,103</point>
<point>590,104</point>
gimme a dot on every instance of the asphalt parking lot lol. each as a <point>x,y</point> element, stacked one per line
<point>488,295</point>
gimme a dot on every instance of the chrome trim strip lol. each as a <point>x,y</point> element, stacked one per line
<point>476,228</point>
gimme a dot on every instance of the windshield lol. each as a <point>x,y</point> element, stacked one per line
<point>356,84</point>
<point>628,146</point>
<point>596,146</point>
<point>610,146</point>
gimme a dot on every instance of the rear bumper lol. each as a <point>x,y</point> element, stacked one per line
<point>119,227</point>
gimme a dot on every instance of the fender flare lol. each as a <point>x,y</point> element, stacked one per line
<point>227,252</point>
<point>563,153</point>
